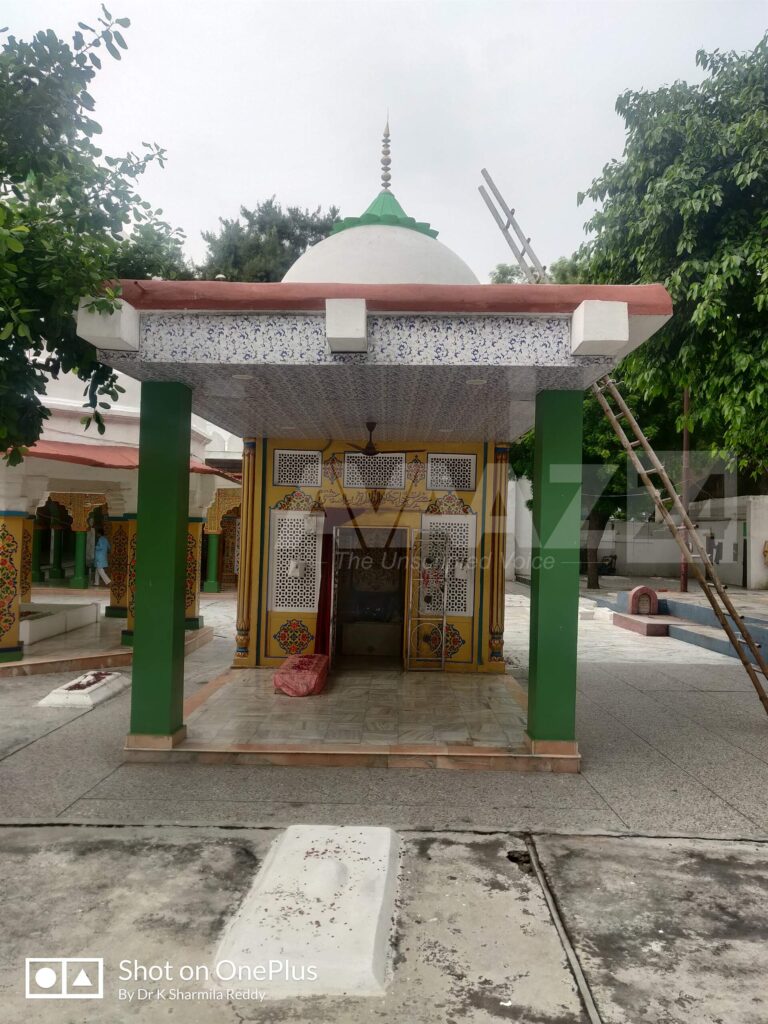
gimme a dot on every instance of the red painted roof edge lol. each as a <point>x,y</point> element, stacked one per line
<point>235,296</point>
<point>107,456</point>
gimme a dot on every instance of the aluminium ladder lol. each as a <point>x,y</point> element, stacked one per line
<point>696,554</point>
<point>699,561</point>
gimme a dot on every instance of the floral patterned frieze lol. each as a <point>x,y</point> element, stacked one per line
<point>299,501</point>
<point>449,505</point>
<point>299,338</point>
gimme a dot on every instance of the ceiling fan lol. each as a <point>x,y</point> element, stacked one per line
<point>370,449</point>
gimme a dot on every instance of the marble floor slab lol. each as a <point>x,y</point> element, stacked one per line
<point>378,708</point>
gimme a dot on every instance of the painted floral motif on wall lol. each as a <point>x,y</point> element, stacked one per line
<point>415,470</point>
<point>454,641</point>
<point>191,576</point>
<point>132,576</point>
<point>299,501</point>
<point>449,505</point>
<point>26,564</point>
<point>333,469</point>
<point>118,563</point>
<point>9,547</point>
<point>293,636</point>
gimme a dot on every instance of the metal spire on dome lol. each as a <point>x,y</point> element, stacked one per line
<point>386,161</point>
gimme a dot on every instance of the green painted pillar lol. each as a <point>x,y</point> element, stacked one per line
<point>37,576</point>
<point>161,540</point>
<point>56,572</point>
<point>212,585</point>
<point>79,580</point>
<point>555,566</point>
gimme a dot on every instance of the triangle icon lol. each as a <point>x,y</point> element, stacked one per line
<point>82,980</point>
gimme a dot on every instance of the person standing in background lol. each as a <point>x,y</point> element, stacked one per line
<point>101,557</point>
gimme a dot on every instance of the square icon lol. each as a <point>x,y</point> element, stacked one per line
<point>64,977</point>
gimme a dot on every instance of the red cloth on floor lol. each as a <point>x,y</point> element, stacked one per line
<point>302,675</point>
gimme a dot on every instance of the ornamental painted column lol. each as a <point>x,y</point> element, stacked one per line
<point>157,691</point>
<point>116,531</point>
<point>131,525</point>
<point>79,579</point>
<point>244,658</point>
<point>11,546</point>
<point>212,585</point>
<point>37,536</point>
<point>27,545</point>
<point>555,572</point>
<point>498,553</point>
<point>192,617</point>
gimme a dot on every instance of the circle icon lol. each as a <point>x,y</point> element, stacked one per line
<point>45,977</point>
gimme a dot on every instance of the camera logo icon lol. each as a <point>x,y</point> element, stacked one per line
<point>64,977</point>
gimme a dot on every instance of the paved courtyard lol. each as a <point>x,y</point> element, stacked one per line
<point>636,891</point>
<point>673,739</point>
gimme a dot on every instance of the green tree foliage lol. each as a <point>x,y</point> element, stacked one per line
<point>153,250</point>
<point>570,270</point>
<point>507,273</point>
<point>261,244</point>
<point>688,206</point>
<point>64,207</point>
<point>605,483</point>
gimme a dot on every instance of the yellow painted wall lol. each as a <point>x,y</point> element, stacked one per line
<point>270,631</point>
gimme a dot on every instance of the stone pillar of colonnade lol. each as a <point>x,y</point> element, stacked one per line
<point>157,691</point>
<point>555,572</point>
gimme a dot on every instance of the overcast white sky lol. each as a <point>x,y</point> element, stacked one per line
<point>259,97</point>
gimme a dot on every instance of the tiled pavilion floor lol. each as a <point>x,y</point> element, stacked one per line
<point>376,707</point>
<point>366,715</point>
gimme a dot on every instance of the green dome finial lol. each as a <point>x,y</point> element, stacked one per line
<point>386,162</point>
<point>385,209</point>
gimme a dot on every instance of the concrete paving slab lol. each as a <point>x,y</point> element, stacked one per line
<point>474,939</point>
<point>280,814</point>
<point>688,806</point>
<point>668,931</point>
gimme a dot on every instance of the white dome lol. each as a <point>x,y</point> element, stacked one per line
<point>380,254</point>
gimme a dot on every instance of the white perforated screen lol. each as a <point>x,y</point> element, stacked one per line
<point>461,533</point>
<point>297,467</point>
<point>451,472</point>
<point>292,542</point>
<point>382,472</point>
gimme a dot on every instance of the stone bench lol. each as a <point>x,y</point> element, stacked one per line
<point>302,675</point>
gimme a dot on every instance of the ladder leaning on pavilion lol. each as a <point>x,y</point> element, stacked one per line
<point>694,551</point>
<point>684,533</point>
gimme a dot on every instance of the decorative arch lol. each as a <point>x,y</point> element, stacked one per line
<point>79,505</point>
<point>225,500</point>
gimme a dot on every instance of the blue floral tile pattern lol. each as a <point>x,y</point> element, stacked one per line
<point>299,338</point>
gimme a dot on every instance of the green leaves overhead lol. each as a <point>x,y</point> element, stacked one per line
<point>64,212</point>
<point>688,206</point>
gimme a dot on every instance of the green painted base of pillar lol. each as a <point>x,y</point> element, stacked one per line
<point>194,623</point>
<point>55,574</point>
<point>211,587</point>
<point>115,611</point>
<point>126,638</point>
<point>12,653</point>
<point>78,582</point>
<point>37,576</point>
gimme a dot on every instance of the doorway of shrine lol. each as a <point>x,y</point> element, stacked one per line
<point>369,594</point>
